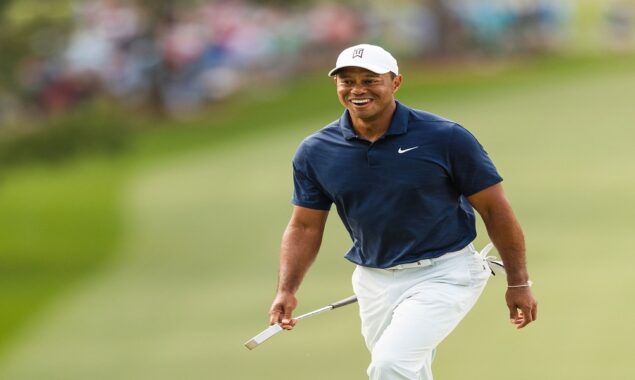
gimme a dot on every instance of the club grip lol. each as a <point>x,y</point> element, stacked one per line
<point>344,302</point>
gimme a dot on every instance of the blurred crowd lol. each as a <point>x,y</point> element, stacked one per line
<point>178,58</point>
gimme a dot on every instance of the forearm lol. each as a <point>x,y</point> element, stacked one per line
<point>504,231</point>
<point>300,245</point>
<point>507,235</point>
<point>299,248</point>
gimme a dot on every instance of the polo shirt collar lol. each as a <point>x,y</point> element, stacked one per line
<point>398,124</point>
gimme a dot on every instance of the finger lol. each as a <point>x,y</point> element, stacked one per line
<point>513,313</point>
<point>518,318</point>
<point>534,312</point>
<point>287,326</point>
<point>274,316</point>
<point>527,317</point>
<point>287,322</point>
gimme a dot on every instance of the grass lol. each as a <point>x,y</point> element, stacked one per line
<point>58,225</point>
<point>195,216</point>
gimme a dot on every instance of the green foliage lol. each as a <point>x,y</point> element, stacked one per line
<point>30,30</point>
<point>3,6</point>
<point>84,130</point>
<point>14,47</point>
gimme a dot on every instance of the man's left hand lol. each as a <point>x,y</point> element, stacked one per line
<point>523,307</point>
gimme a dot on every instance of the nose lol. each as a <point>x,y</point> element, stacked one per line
<point>358,88</point>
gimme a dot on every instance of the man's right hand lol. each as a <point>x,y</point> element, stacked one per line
<point>282,309</point>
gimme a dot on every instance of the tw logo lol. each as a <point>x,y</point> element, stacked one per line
<point>357,53</point>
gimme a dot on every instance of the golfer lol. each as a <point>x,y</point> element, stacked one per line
<point>405,183</point>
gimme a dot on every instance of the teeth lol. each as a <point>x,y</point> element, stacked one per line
<point>360,101</point>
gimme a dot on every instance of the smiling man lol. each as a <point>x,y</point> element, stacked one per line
<point>405,183</point>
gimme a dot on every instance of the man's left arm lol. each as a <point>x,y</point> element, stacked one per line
<point>507,235</point>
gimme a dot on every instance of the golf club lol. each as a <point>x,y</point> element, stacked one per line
<point>274,329</point>
<point>495,265</point>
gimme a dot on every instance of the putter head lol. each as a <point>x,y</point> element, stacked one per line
<point>496,266</point>
<point>264,335</point>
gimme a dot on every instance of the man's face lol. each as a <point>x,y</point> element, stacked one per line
<point>365,94</point>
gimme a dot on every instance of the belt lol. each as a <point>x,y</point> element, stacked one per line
<point>428,262</point>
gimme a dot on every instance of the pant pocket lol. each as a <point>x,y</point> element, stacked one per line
<point>455,271</point>
<point>479,270</point>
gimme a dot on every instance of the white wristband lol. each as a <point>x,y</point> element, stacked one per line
<point>527,285</point>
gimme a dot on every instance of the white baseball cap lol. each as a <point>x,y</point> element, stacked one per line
<point>369,57</point>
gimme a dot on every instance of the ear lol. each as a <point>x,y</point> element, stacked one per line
<point>396,83</point>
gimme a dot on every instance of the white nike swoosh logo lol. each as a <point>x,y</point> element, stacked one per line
<point>400,151</point>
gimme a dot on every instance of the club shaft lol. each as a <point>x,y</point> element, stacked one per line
<point>315,312</point>
<point>334,305</point>
<point>274,329</point>
<point>344,302</point>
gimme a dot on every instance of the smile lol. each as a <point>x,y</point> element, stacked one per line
<point>360,102</point>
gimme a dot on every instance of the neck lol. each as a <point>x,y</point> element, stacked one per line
<point>373,128</point>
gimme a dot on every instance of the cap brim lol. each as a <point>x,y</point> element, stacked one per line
<point>375,69</point>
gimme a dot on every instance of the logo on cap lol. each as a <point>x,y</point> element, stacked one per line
<point>357,53</point>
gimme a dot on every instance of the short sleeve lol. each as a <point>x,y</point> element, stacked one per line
<point>472,169</point>
<point>306,190</point>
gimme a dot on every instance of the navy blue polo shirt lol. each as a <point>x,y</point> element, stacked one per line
<point>401,198</point>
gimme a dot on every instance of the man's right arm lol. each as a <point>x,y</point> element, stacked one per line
<point>300,245</point>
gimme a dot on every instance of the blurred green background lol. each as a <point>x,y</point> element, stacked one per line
<point>140,233</point>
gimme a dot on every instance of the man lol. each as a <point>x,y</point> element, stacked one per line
<point>405,183</point>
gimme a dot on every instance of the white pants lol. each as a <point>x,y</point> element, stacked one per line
<point>406,313</point>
